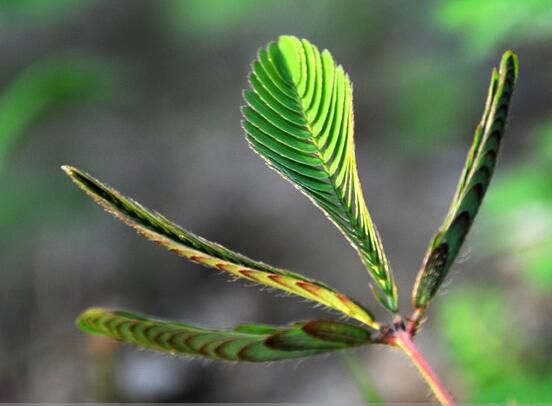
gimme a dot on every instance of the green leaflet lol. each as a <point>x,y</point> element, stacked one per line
<point>473,183</point>
<point>299,118</point>
<point>266,344</point>
<point>157,228</point>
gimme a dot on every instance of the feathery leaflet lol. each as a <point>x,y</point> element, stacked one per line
<point>299,118</point>
<point>473,183</point>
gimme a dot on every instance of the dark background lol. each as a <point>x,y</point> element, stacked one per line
<point>145,95</point>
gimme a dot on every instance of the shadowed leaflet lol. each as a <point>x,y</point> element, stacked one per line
<point>473,183</point>
<point>254,343</point>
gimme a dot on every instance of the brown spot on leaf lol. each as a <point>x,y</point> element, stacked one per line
<point>247,273</point>
<point>279,280</point>
<point>197,258</point>
<point>309,287</point>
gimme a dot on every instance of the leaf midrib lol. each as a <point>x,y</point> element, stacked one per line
<point>325,167</point>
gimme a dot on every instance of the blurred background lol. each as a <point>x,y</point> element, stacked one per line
<point>145,95</point>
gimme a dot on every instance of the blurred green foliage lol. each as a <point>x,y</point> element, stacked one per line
<point>490,23</point>
<point>429,96</point>
<point>212,22</point>
<point>496,357</point>
<point>209,19</point>
<point>64,79</point>
<point>59,81</point>
<point>519,212</point>
<point>40,10</point>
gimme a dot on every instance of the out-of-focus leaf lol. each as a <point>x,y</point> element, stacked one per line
<point>427,100</point>
<point>18,209</point>
<point>464,317</point>
<point>526,185</point>
<point>522,237</point>
<point>490,23</point>
<point>519,213</point>
<point>545,147</point>
<point>490,349</point>
<point>472,186</point>
<point>62,79</point>
<point>40,10</point>
<point>538,266</point>
<point>520,388</point>
<point>253,344</point>
<point>210,19</point>
<point>299,119</point>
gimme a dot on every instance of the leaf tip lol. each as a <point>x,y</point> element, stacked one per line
<point>85,319</point>
<point>68,169</point>
<point>287,57</point>
<point>74,173</point>
<point>510,60</point>
<point>80,178</point>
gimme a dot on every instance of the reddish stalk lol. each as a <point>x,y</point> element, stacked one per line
<point>403,340</point>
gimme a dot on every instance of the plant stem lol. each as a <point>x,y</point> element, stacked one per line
<point>403,340</point>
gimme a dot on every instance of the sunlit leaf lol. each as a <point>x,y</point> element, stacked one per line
<point>299,118</point>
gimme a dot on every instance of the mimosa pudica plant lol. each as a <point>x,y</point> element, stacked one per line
<point>299,118</point>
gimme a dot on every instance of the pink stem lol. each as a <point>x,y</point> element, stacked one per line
<point>403,340</point>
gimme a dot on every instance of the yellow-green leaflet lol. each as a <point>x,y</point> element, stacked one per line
<point>157,228</point>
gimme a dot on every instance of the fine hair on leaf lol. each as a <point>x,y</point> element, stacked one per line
<point>299,118</point>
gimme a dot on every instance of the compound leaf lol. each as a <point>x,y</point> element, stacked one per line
<point>157,228</point>
<point>246,343</point>
<point>473,183</point>
<point>299,118</point>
